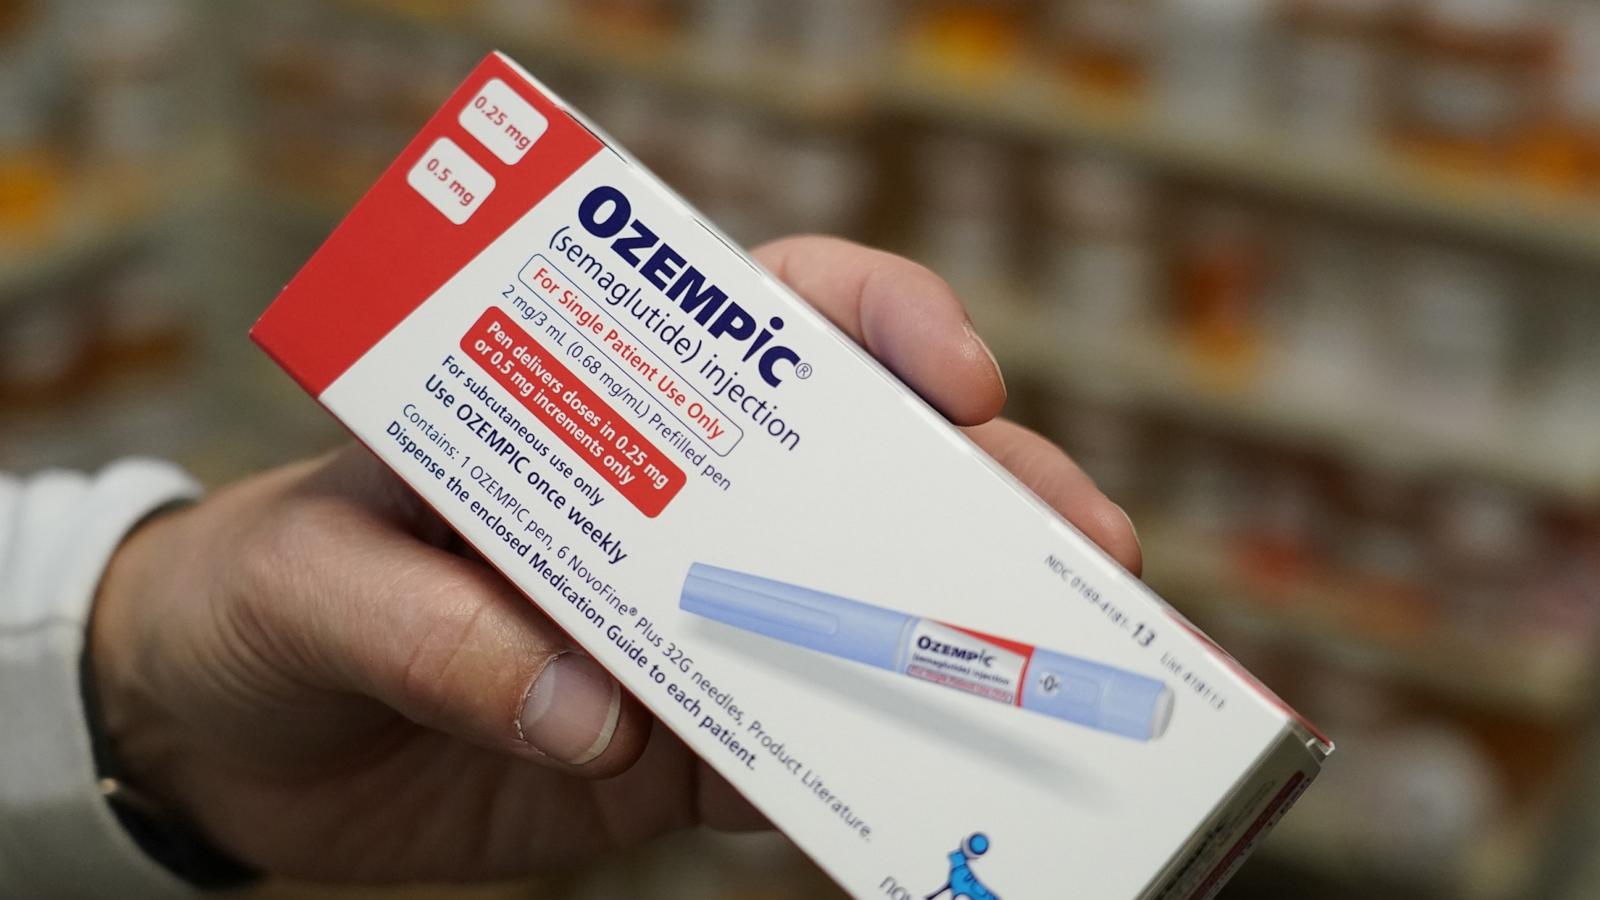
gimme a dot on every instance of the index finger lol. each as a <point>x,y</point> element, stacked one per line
<point>902,313</point>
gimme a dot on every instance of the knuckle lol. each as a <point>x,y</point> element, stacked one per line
<point>930,284</point>
<point>433,653</point>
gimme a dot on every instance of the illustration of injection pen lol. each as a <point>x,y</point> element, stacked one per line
<point>1052,684</point>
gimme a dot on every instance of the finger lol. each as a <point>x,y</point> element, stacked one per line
<point>904,314</point>
<point>1051,474</point>
<point>449,644</point>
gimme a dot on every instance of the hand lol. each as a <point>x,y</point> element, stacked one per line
<point>311,669</point>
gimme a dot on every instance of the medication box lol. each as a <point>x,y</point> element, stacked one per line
<point>930,681</point>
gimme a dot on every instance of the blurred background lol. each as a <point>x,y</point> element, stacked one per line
<point>1311,286</point>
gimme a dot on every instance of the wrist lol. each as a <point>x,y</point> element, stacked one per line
<point>122,661</point>
<point>135,738</point>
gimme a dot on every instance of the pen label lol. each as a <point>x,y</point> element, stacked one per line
<point>966,661</point>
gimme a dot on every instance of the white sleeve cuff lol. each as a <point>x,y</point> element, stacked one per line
<point>58,838</point>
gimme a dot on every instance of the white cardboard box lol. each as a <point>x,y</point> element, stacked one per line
<point>690,471</point>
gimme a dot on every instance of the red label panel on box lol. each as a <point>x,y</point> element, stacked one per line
<point>447,196</point>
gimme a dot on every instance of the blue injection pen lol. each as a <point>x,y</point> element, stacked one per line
<point>1052,684</point>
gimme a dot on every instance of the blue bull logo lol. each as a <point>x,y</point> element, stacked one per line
<point>962,884</point>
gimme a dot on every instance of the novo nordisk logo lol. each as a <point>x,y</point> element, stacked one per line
<point>964,654</point>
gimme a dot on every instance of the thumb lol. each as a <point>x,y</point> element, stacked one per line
<point>1058,481</point>
<point>447,643</point>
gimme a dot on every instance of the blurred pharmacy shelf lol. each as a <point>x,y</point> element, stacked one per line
<point>1039,106</point>
<point>86,235</point>
<point>1157,373</point>
<point>1498,866</point>
<point>104,216</point>
<point>1035,106</point>
<point>770,83</point>
<point>1555,680</point>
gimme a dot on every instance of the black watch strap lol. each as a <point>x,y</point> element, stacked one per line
<point>172,843</point>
